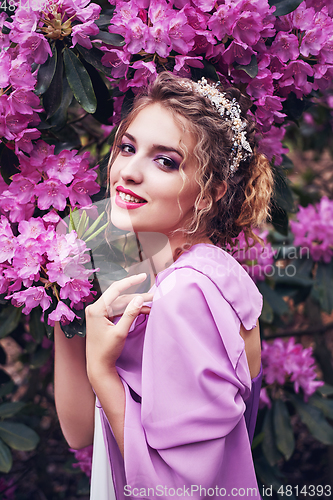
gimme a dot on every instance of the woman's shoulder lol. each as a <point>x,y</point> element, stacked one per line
<point>218,275</point>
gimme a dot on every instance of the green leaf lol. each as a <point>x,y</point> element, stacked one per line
<point>36,326</point>
<point>294,108</point>
<point>326,390</point>
<point>7,388</point>
<point>280,219</point>
<point>74,219</point>
<point>278,305</point>
<point>314,419</point>
<point>270,476</point>
<point>59,118</point>
<point>109,38</point>
<point>8,163</point>
<point>79,81</point>
<point>268,445</point>
<point>322,290</point>
<point>9,319</point>
<point>3,356</point>
<point>96,233</point>
<point>39,358</point>
<point>18,436</point>
<point>282,192</point>
<point>9,409</point>
<point>284,433</point>
<point>82,224</point>
<point>324,404</point>
<point>251,69</point>
<point>284,7</point>
<point>74,328</point>
<point>6,459</point>
<point>53,96</point>
<point>93,226</point>
<point>94,57</point>
<point>104,108</point>
<point>267,314</point>
<point>46,72</point>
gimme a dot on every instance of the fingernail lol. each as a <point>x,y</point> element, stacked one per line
<point>138,301</point>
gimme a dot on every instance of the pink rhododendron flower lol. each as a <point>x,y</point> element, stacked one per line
<point>62,313</point>
<point>84,458</point>
<point>31,298</point>
<point>257,260</point>
<point>313,229</point>
<point>51,193</point>
<point>285,46</point>
<point>270,144</point>
<point>81,32</point>
<point>287,361</point>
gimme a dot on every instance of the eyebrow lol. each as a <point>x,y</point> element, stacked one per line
<point>157,147</point>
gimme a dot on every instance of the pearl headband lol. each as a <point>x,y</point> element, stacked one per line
<point>231,112</point>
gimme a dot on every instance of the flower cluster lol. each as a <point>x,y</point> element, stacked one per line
<point>84,459</point>
<point>287,361</point>
<point>26,45</point>
<point>47,180</point>
<point>293,53</point>
<point>257,260</point>
<point>34,264</point>
<point>313,229</point>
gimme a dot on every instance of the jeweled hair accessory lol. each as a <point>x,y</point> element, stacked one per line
<point>231,111</point>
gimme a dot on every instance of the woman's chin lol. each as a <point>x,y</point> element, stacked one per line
<point>122,221</point>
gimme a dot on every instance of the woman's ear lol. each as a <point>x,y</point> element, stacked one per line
<point>221,190</point>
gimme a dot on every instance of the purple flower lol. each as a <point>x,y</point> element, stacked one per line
<point>84,458</point>
<point>62,313</point>
<point>145,72</point>
<point>283,361</point>
<point>285,46</point>
<point>63,166</point>
<point>51,193</point>
<point>82,188</point>
<point>136,35</point>
<point>257,260</point>
<point>180,33</point>
<point>261,85</point>
<point>22,189</point>
<point>81,32</point>
<point>158,40</point>
<point>268,111</point>
<point>313,230</point>
<point>239,52</point>
<point>222,20</point>
<point>247,27</point>
<point>31,298</point>
<point>313,41</point>
<point>75,290</point>
<point>270,144</point>
<point>27,260</point>
<point>8,242</point>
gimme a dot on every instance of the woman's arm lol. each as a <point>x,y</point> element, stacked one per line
<point>74,397</point>
<point>105,342</point>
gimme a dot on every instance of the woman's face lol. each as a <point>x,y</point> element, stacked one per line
<point>146,184</point>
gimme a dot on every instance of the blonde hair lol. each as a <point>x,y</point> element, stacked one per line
<point>246,201</point>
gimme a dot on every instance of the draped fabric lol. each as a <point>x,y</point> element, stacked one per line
<point>186,380</point>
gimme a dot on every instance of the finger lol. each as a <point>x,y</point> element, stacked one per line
<point>103,306</point>
<point>130,313</point>
<point>120,286</point>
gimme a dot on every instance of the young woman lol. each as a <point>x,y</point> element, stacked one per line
<point>177,375</point>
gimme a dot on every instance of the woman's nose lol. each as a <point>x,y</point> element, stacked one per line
<point>133,169</point>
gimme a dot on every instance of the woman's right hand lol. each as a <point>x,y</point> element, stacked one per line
<point>105,340</point>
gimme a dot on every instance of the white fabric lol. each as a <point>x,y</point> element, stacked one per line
<point>101,487</point>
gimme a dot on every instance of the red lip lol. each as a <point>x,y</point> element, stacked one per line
<point>128,191</point>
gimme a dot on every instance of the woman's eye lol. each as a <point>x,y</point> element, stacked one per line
<point>126,148</point>
<point>167,163</point>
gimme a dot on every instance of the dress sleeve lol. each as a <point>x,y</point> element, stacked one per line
<point>194,379</point>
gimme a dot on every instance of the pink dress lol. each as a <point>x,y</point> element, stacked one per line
<point>187,381</point>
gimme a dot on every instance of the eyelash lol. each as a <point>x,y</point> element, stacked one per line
<point>173,165</point>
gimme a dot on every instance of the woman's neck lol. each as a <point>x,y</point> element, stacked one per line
<point>162,251</point>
